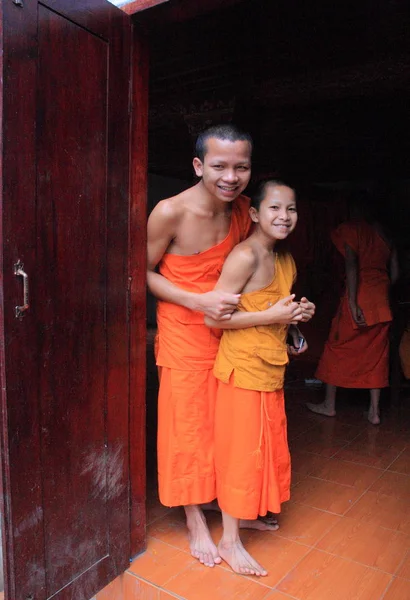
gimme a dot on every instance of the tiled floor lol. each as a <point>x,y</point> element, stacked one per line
<point>344,535</point>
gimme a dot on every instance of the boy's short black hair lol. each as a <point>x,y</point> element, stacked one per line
<point>229,132</point>
<point>260,191</point>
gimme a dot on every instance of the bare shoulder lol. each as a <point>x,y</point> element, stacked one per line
<point>165,219</point>
<point>173,209</point>
<point>169,210</point>
<point>244,255</point>
<point>238,268</point>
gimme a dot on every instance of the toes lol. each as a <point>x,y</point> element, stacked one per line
<point>209,561</point>
<point>256,572</point>
<point>204,559</point>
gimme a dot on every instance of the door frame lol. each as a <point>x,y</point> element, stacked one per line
<point>137,291</point>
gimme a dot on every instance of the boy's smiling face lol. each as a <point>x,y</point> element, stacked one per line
<point>277,215</point>
<point>226,168</point>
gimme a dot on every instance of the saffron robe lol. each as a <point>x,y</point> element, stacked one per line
<point>252,461</point>
<point>185,354</point>
<point>358,357</point>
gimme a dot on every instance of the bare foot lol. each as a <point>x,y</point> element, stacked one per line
<point>259,524</point>
<point>321,409</point>
<point>200,541</point>
<point>373,417</point>
<point>239,559</point>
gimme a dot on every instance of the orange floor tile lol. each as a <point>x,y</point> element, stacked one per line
<point>344,535</point>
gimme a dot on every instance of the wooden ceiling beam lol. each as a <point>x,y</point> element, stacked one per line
<point>136,6</point>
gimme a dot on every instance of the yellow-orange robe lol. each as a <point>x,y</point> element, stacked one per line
<point>252,461</point>
<point>358,357</point>
<point>185,353</point>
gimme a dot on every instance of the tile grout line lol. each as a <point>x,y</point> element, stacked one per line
<point>406,556</point>
<point>353,462</point>
<point>156,586</point>
<point>388,588</point>
<point>275,589</point>
<point>378,479</point>
<point>345,514</point>
<point>160,517</point>
<point>393,461</point>
<point>351,560</point>
<point>383,470</point>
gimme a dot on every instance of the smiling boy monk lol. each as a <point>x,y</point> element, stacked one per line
<point>252,461</point>
<point>189,237</point>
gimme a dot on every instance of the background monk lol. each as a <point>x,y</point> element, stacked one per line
<point>252,461</point>
<point>356,354</point>
<point>189,237</point>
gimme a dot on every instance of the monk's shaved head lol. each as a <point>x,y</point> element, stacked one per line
<point>228,132</point>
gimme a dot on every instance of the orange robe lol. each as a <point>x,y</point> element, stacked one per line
<point>185,353</point>
<point>252,461</point>
<point>358,357</point>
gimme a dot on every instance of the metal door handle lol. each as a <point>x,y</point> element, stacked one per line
<point>19,272</point>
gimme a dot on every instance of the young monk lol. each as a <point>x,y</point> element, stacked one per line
<point>356,354</point>
<point>252,461</point>
<point>189,237</point>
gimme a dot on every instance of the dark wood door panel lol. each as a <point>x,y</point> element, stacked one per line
<point>90,14</point>
<point>71,294</point>
<point>20,448</point>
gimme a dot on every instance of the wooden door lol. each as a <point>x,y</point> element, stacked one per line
<point>65,362</point>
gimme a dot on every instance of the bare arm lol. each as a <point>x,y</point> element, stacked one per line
<point>237,270</point>
<point>352,283</point>
<point>162,227</point>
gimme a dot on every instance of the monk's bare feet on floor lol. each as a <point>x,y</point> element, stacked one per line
<point>321,409</point>
<point>200,541</point>
<point>239,559</point>
<point>373,417</point>
<point>259,524</point>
